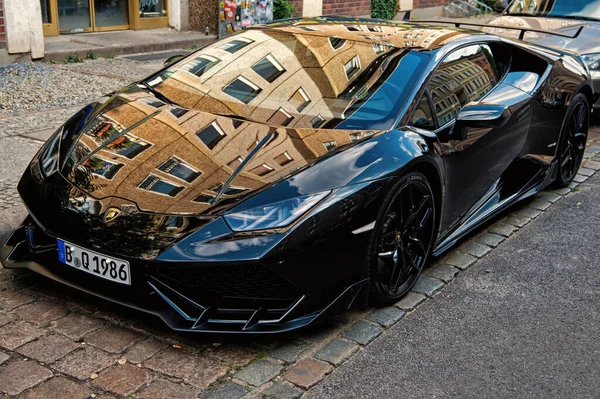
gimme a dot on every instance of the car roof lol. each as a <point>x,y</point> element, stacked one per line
<point>400,34</point>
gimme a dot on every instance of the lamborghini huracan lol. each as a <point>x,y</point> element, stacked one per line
<point>296,170</point>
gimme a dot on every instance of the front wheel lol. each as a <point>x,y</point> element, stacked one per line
<point>402,238</point>
<point>573,138</point>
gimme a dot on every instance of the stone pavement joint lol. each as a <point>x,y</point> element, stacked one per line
<point>59,386</point>
<point>18,376</point>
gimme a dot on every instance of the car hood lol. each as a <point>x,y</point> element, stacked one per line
<point>588,40</point>
<point>167,159</point>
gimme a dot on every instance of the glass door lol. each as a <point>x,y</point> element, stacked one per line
<point>74,16</point>
<point>111,14</point>
<point>49,17</point>
<point>150,14</point>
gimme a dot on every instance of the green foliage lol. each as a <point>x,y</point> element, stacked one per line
<point>384,9</point>
<point>73,58</point>
<point>91,56</point>
<point>109,56</point>
<point>282,9</point>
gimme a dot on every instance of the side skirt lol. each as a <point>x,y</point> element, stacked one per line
<point>489,209</point>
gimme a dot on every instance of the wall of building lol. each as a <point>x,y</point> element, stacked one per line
<point>2,30</point>
<point>202,14</point>
<point>310,8</point>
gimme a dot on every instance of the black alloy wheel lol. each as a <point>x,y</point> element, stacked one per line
<point>572,140</point>
<point>402,238</point>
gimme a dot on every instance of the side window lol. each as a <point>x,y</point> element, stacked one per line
<point>422,117</point>
<point>465,75</point>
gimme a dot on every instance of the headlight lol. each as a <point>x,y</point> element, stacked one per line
<point>271,216</point>
<point>592,61</point>
<point>48,158</point>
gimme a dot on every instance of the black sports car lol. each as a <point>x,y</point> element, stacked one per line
<point>294,170</point>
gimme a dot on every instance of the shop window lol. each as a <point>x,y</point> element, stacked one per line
<point>283,159</point>
<point>352,67</point>
<point>268,68</point>
<point>242,89</point>
<point>176,167</point>
<point>236,45</point>
<point>160,186</point>
<point>211,135</point>
<point>299,100</point>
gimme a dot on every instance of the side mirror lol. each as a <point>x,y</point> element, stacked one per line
<point>488,116</point>
<point>173,59</point>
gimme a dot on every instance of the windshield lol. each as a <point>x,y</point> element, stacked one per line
<point>575,9</point>
<point>297,80</point>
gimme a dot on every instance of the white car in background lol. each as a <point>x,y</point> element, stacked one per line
<point>578,18</point>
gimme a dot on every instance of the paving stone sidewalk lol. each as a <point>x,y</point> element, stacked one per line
<point>58,343</point>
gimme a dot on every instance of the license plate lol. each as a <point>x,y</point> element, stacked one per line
<point>91,262</point>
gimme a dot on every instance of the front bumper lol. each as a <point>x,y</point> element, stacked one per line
<point>151,294</point>
<point>317,273</point>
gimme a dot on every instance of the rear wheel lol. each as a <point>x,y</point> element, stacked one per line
<point>402,238</point>
<point>573,138</point>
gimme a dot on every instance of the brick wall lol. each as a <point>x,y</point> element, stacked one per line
<point>2,29</point>
<point>339,7</point>
<point>297,7</point>
<point>428,3</point>
<point>347,7</point>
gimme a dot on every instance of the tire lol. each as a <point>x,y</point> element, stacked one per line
<point>402,238</point>
<point>572,140</point>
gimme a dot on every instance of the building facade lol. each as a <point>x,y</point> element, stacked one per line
<point>25,23</point>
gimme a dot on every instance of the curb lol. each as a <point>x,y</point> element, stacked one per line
<point>305,362</point>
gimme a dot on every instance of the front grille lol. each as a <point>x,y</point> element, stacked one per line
<point>252,281</point>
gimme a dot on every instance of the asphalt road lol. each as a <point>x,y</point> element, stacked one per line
<point>524,322</point>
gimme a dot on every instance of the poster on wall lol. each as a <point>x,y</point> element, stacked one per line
<point>235,15</point>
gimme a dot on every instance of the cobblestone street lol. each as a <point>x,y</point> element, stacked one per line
<point>58,343</point>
